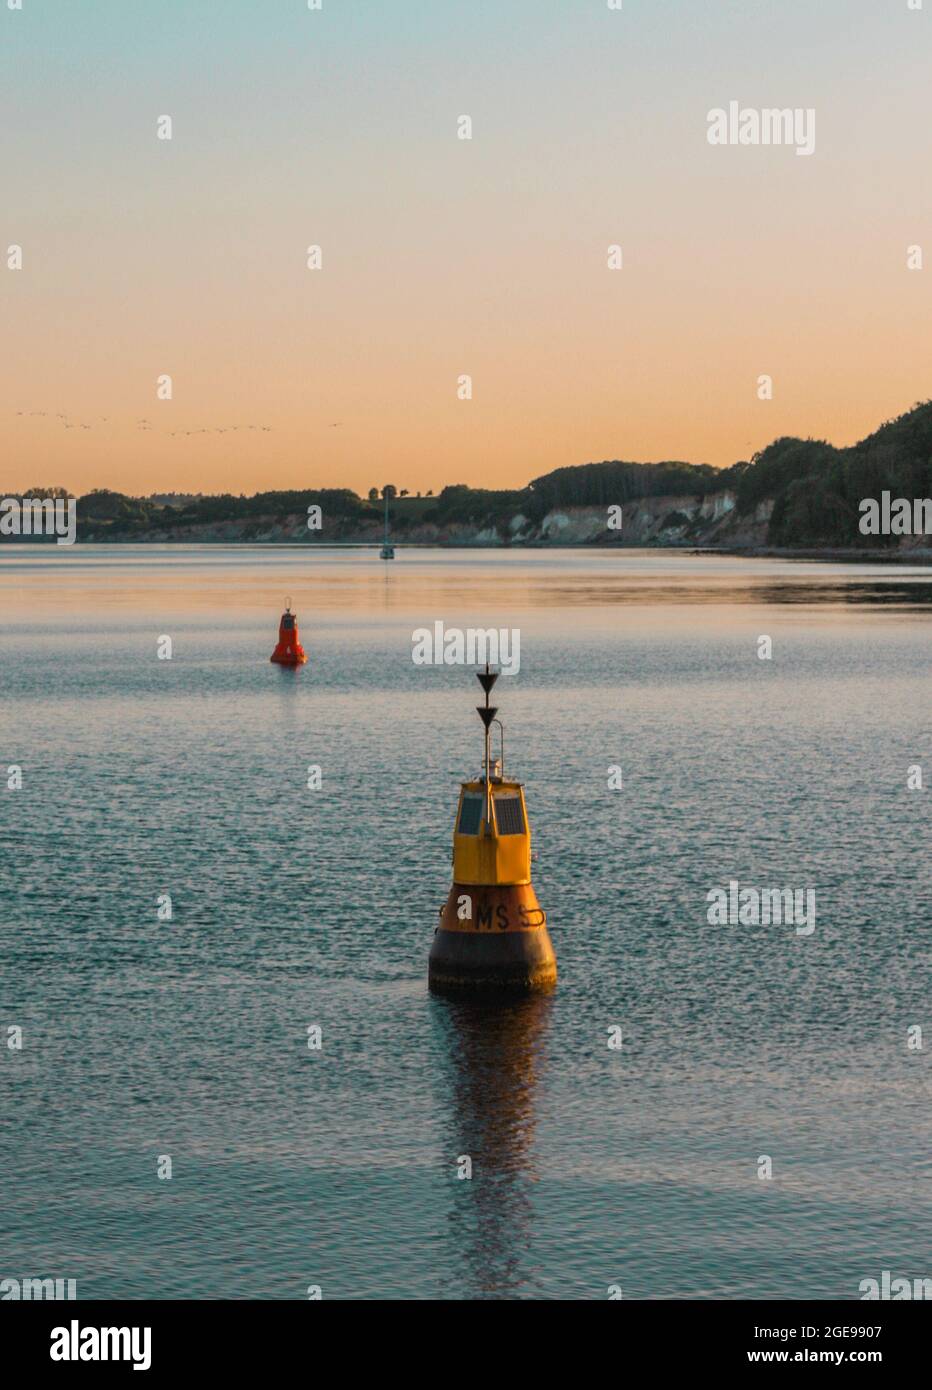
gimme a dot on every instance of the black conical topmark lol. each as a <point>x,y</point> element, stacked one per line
<point>486,713</point>
<point>487,679</point>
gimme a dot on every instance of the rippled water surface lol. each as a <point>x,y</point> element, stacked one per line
<point>295,907</point>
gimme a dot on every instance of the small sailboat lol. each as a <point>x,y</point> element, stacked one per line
<point>388,550</point>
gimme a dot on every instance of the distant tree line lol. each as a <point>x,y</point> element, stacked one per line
<point>614,483</point>
<point>815,488</point>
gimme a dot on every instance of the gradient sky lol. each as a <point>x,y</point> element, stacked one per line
<point>442,256</point>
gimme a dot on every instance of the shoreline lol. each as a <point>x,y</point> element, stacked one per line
<point>827,554</point>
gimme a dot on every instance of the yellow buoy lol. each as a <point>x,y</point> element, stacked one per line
<point>493,931</point>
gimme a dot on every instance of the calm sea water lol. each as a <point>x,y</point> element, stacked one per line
<point>295,907</point>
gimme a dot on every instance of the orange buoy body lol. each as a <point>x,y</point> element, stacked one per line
<point>492,937</point>
<point>289,651</point>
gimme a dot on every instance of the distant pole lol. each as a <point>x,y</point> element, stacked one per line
<point>487,713</point>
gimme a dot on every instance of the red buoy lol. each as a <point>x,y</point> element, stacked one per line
<point>289,651</point>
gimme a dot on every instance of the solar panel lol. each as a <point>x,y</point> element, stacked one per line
<point>508,815</point>
<point>471,815</point>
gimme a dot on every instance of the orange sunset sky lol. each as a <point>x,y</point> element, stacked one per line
<point>442,256</point>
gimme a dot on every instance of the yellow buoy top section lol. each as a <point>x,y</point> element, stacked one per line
<point>491,837</point>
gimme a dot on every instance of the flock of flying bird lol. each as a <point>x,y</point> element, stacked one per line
<point>70,424</point>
